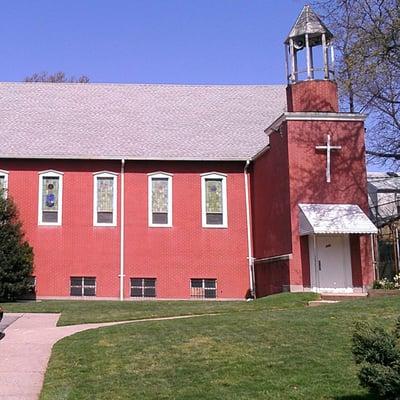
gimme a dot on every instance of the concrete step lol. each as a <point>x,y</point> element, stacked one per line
<point>316,303</point>
<point>343,296</point>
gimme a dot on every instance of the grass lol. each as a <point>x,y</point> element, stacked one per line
<point>273,348</point>
<point>78,312</point>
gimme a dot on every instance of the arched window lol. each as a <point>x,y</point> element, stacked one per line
<point>160,199</point>
<point>105,199</point>
<point>50,197</point>
<point>214,200</point>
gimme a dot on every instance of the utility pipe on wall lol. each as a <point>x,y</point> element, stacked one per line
<point>122,233</point>
<point>249,238</point>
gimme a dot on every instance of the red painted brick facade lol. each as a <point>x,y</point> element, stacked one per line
<point>172,255</point>
<point>289,172</point>
<point>314,95</point>
<point>292,172</point>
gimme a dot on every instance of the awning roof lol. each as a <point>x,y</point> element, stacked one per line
<point>334,219</point>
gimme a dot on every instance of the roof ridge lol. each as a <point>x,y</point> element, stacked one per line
<point>140,84</point>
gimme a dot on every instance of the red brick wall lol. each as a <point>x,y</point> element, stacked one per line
<point>172,255</point>
<point>308,180</point>
<point>270,277</point>
<point>270,200</point>
<point>313,95</point>
<point>271,212</point>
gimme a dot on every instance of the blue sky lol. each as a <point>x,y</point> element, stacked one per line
<point>147,41</point>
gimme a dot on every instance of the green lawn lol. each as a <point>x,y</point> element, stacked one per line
<point>79,312</point>
<point>269,349</point>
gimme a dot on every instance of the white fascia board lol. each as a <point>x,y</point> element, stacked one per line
<point>313,116</point>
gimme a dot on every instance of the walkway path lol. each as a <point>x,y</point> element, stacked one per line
<point>25,350</point>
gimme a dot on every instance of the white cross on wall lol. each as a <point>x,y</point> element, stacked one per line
<point>328,149</point>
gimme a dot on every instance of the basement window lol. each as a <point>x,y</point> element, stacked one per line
<point>83,286</point>
<point>143,287</point>
<point>203,288</point>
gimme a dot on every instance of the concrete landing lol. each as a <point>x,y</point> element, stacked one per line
<point>343,296</point>
<point>316,303</point>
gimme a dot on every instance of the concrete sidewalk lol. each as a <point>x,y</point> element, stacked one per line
<point>25,350</point>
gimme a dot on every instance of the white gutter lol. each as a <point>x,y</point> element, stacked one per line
<point>122,233</point>
<point>249,238</point>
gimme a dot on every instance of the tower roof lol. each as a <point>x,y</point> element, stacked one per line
<point>308,22</point>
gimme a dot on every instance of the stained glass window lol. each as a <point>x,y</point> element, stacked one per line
<point>50,193</point>
<point>159,200</point>
<point>3,185</point>
<point>50,199</point>
<point>105,199</point>
<point>105,194</point>
<point>214,201</point>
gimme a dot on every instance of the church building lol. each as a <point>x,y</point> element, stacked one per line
<point>192,192</point>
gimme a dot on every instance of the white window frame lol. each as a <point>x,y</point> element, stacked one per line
<point>158,175</point>
<point>214,175</point>
<point>51,174</point>
<point>5,174</point>
<point>105,174</point>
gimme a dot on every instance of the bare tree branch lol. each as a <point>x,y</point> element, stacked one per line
<point>57,77</point>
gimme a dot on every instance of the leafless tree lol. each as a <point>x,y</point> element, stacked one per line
<point>367,40</point>
<point>57,77</point>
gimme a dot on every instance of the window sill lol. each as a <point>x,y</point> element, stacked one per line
<point>105,225</point>
<point>215,226</point>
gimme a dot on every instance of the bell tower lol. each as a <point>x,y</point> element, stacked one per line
<point>310,65</point>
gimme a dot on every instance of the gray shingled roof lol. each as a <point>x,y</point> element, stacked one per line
<point>48,120</point>
<point>308,22</point>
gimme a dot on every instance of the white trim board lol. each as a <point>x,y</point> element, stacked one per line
<point>313,116</point>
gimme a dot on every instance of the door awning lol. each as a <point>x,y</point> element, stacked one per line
<point>334,219</point>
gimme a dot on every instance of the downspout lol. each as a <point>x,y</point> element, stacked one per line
<point>122,233</point>
<point>249,237</point>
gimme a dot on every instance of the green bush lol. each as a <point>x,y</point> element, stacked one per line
<point>16,256</point>
<point>377,351</point>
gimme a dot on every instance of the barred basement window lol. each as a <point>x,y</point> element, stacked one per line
<point>214,201</point>
<point>203,288</point>
<point>50,198</point>
<point>143,287</point>
<point>160,199</point>
<point>105,199</point>
<point>3,183</point>
<point>83,286</point>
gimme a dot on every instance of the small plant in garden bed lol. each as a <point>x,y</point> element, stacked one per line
<point>387,284</point>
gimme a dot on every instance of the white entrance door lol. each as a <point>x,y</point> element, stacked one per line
<point>330,263</point>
